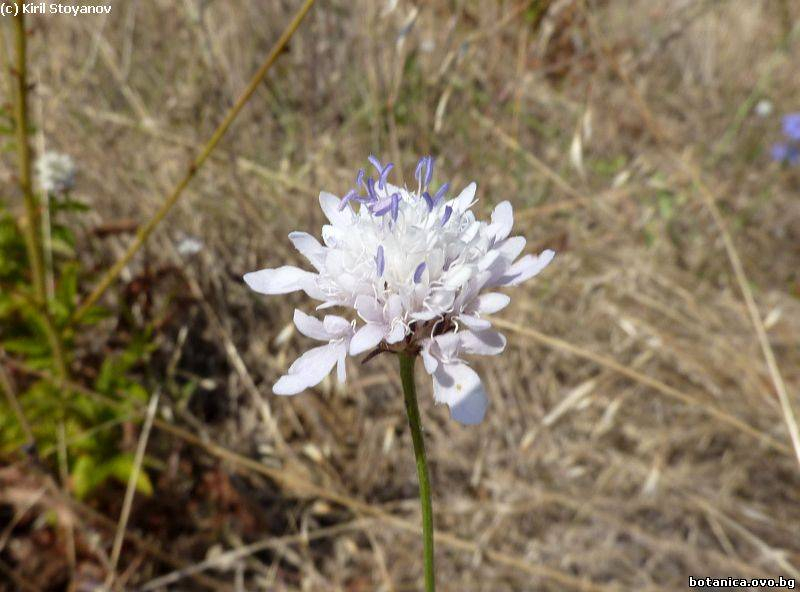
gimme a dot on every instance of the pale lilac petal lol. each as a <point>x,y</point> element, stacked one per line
<point>457,276</point>
<point>491,302</point>
<point>309,247</point>
<point>474,322</point>
<point>483,342</point>
<point>394,307</point>
<point>526,268</point>
<point>310,326</point>
<point>330,206</point>
<point>428,360</point>
<point>446,346</point>
<point>396,333</point>
<point>279,281</point>
<point>337,326</point>
<point>308,370</point>
<point>341,364</point>
<point>366,338</point>
<point>369,309</point>
<point>502,220</point>
<point>460,387</point>
<point>464,200</point>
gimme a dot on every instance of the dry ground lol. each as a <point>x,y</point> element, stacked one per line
<point>634,437</point>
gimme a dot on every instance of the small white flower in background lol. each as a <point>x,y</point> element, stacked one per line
<point>764,108</point>
<point>418,270</point>
<point>189,246</point>
<point>55,172</point>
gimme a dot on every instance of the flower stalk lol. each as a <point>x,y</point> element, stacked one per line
<point>32,223</point>
<point>414,422</point>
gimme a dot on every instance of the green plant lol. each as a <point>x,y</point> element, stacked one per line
<point>38,335</point>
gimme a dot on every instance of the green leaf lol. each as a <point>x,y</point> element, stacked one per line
<point>67,288</point>
<point>86,476</point>
<point>27,346</point>
<point>95,314</point>
<point>121,468</point>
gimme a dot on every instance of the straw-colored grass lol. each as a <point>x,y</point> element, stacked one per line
<point>635,435</point>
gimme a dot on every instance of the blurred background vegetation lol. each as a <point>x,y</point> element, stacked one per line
<point>640,427</point>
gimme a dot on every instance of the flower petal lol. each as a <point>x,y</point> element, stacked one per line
<point>491,302</point>
<point>337,326</point>
<point>483,342</point>
<point>510,248</point>
<point>341,365</point>
<point>367,337</point>
<point>330,205</point>
<point>502,220</point>
<point>460,387</point>
<point>368,309</point>
<point>310,326</point>
<point>526,268</point>
<point>396,333</point>
<point>308,370</point>
<point>474,322</point>
<point>428,359</point>
<point>278,281</point>
<point>464,200</point>
<point>309,247</point>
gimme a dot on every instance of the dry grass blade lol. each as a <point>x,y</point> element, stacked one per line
<point>735,260</point>
<point>301,486</point>
<point>787,410</point>
<point>659,386</point>
<point>538,164</point>
<point>244,551</point>
<point>144,232</point>
<point>131,490</point>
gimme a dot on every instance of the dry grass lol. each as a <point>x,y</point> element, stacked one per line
<point>634,436</point>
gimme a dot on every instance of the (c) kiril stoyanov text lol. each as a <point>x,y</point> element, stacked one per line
<point>55,8</point>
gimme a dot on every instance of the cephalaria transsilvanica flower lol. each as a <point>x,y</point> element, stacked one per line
<point>420,273</point>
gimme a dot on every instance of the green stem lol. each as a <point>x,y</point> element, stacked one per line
<point>32,227</point>
<point>32,223</point>
<point>412,409</point>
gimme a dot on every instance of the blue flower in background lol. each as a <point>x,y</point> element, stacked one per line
<point>791,126</point>
<point>788,151</point>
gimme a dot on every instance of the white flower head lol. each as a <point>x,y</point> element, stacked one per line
<point>420,273</point>
<point>55,172</point>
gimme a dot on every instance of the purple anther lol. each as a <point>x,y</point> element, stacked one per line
<point>384,175</point>
<point>418,272</point>
<point>380,262</point>
<point>379,208</point>
<point>440,192</point>
<point>395,206</point>
<point>418,171</point>
<point>428,200</point>
<point>371,189</point>
<point>429,173</point>
<point>376,163</point>
<point>448,211</point>
<point>352,194</point>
